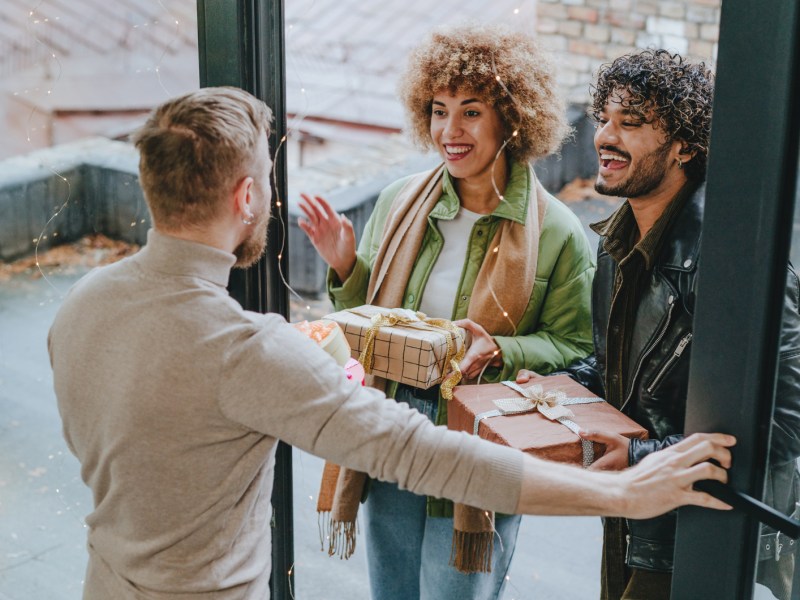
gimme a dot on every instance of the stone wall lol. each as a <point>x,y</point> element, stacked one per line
<point>60,194</point>
<point>586,33</point>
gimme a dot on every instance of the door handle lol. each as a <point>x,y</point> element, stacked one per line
<point>755,508</point>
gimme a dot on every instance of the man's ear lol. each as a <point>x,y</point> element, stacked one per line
<point>242,197</point>
<point>685,153</point>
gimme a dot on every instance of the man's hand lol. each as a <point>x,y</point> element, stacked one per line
<point>615,457</point>
<point>663,480</point>
<point>525,375</point>
<point>482,351</point>
<point>331,234</point>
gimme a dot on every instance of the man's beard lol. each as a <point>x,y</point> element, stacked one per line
<point>249,251</point>
<point>647,177</point>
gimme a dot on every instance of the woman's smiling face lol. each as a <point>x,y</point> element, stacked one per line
<point>467,132</point>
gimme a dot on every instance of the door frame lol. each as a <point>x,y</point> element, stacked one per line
<point>241,43</point>
<point>753,163</point>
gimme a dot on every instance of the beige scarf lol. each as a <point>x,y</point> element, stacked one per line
<point>500,296</point>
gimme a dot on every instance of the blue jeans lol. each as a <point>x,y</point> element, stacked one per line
<point>408,553</point>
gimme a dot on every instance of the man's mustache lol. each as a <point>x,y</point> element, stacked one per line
<point>615,150</point>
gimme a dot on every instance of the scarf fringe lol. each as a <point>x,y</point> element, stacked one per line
<point>340,535</point>
<point>324,527</point>
<point>472,552</point>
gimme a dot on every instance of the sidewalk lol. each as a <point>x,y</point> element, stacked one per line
<point>43,501</point>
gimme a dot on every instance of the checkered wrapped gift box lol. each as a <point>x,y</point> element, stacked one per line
<point>402,345</point>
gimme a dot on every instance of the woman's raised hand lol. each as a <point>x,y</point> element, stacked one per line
<point>331,234</point>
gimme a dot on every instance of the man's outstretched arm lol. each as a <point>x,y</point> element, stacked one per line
<point>660,482</point>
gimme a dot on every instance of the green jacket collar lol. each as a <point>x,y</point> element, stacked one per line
<point>515,199</point>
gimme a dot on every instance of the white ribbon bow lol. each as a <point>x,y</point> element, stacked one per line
<point>552,404</point>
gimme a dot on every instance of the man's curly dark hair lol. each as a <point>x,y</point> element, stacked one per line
<point>662,88</point>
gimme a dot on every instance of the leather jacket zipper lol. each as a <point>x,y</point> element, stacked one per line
<point>659,337</point>
<point>675,356</point>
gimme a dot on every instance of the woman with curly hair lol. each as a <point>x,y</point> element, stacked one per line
<point>479,240</point>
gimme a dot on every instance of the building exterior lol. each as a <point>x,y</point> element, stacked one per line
<point>70,70</point>
<point>587,33</point>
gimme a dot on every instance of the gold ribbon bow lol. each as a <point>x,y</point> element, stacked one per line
<point>407,318</point>
<point>550,403</point>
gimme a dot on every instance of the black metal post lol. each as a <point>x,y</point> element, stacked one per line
<point>745,244</point>
<point>241,43</point>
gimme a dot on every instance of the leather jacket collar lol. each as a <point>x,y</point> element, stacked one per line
<point>682,246</point>
<point>682,243</point>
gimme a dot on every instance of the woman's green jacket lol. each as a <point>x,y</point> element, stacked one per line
<point>556,327</point>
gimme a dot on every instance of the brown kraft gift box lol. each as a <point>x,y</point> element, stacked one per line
<point>532,432</point>
<point>411,355</point>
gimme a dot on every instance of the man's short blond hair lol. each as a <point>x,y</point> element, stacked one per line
<point>503,68</point>
<point>194,150</point>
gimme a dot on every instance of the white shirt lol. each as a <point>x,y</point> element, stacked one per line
<point>439,297</point>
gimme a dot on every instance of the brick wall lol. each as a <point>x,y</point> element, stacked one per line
<point>586,33</point>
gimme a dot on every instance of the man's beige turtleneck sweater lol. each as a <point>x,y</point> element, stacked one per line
<point>173,399</point>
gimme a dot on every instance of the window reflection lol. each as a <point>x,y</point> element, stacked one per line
<point>776,567</point>
<point>75,78</point>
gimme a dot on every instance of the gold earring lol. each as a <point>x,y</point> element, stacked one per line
<point>680,163</point>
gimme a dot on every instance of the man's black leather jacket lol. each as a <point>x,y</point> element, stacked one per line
<point>658,372</point>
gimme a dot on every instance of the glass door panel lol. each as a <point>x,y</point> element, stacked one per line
<point>744,333</point>
<point>77,77</point>
<point>776,566</point>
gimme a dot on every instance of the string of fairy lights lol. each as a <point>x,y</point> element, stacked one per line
<point>68,488</point>
<point>37,20</point>
<point>33,21</point>
<point>293,126</point>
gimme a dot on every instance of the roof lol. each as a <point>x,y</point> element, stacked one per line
<point>342,56</point>
<point>32,32</point>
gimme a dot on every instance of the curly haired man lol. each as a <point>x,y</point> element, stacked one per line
<point>653,115</point>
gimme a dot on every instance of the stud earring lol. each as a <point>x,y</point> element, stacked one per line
<point>248,220</point>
